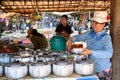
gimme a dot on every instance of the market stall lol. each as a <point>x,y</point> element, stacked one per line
<point>34,14</point>
<point>22,62</point>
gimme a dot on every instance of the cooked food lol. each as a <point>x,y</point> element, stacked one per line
<point>76,46</point>
<point>70,57</point>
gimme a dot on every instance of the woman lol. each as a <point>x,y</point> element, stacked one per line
<point>99,45</point>
<point>39,41</point>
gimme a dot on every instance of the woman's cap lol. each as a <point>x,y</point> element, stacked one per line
<point>100,16</point>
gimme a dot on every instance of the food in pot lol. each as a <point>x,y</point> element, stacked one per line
<point>70,57</point>
<point>6,48</point>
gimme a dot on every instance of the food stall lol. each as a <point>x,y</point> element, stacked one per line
<point>19,54</point>
<point>21,62</point>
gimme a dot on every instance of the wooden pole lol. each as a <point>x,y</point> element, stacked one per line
<point>115,33</point>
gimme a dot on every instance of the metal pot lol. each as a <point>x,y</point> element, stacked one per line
<point>39,69</point>
<point>26,56</point>
<point>55,53</point>
<point>77,56</point>
<point>1,70</point>
<point>84,67</point>
<point>62,68</point>
<point>25,59</point>
<point>16,70</point>
<point>4,58</point>
<point>26,53</point>
<point>46,57</point>
<point>64,56</point>
<point>40,51</point>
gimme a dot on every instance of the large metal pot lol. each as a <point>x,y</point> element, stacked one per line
<point>40,69</point>
<point>62,68</point>
<point>16,70</point>
<point>84,67</point>
<point>1,70</point>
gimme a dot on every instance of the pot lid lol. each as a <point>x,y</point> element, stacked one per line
<point>54,52</point>
<point>38,52</point>
<point>39,64</point>
<point>45,56</point>
<point>41,51</point>
<point>64,55</point>
<point>15,65</point>
<point>84,62</point>
<point>25,53</point>
<point>62,62</point>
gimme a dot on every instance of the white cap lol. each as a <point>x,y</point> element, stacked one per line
<point>100,16</point>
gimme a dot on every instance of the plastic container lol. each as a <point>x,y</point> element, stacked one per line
<point>88,78</point>
<point>58,43</point>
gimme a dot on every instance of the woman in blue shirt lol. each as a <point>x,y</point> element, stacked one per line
<point>99,45</point>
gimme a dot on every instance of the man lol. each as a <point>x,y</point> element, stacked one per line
<point>63,28</point>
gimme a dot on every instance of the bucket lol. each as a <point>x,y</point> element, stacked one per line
<point>58,43</point>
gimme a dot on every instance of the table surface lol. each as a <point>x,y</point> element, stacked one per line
<point>74,76</point>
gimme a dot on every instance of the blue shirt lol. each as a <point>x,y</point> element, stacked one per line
<point>101,45</point>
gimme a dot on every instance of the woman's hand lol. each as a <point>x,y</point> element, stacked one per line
<point>86,51</point>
